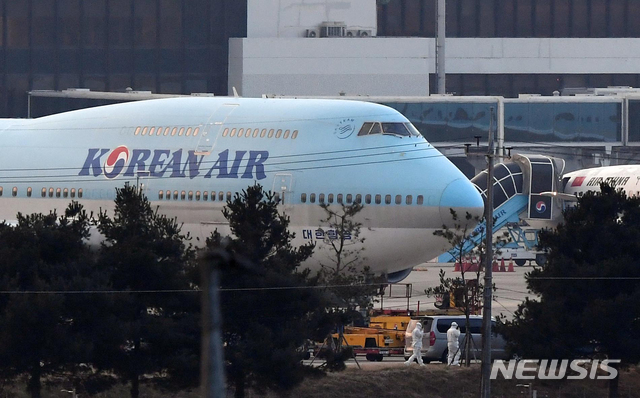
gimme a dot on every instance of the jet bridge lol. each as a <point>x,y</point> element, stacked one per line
<point>521,202</point>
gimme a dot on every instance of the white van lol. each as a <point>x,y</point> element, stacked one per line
<point>434,342</point>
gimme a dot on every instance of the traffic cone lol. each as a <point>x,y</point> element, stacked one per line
<point>494,266</point>
<point>511,266</point>
<point>456,268</point>
<point>502,268</point>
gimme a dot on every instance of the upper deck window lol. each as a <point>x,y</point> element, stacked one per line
<point>397,129</point>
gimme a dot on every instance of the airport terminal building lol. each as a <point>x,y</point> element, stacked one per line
<point>372,48</point>
<point>383,47</point>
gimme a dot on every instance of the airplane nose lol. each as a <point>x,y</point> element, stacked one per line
<point>461,196</point>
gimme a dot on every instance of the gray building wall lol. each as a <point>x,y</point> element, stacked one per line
<point>329,66</point>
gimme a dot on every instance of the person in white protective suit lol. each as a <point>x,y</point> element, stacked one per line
<point>416,343</point>
<point>452,345</point>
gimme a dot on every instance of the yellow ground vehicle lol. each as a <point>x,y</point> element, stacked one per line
<point>383,337</point>
<point>385,334</point>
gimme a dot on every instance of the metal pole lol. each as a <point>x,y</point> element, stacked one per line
<point>486,314</point>
<point>212,365</point>
<point>500,130</point>
<point>440,39</point>
<point>407,293</point>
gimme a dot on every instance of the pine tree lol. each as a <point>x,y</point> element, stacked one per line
<point>154,323</point>
<point>588,289</point>
<point>265,307</point>
<point>44,263</point>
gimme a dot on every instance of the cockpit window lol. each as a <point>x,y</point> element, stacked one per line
<point>396,129</point>
<point>388,128</point>
<point>365,128</point>
<point>414,131</point>
<point>376,129</point>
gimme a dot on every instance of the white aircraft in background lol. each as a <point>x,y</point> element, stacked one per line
<point>191,155</point>
<point>625,177</point>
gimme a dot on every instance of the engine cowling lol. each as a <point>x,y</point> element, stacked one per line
<point>398,276</point>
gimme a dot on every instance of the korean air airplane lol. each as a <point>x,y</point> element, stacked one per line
<point>191,154</point>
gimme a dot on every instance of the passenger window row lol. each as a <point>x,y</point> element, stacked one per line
<point>57,192</point>
<point>197,195</point>
<point>165,131</point>
<point>254,133</point>
<point>368,199</point>
<point>222,196</point>
<point>52,192</point>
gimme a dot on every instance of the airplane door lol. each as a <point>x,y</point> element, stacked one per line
<point>142,182</point>
<point>211,129</point>
<point>282,186</point>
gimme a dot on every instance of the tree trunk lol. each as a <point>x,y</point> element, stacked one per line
<point>613,383</point>
<point>135,378</point>
<point>34,387</point>
<point>239,384</point>
<point>135,386</point>
<point>467,339</point>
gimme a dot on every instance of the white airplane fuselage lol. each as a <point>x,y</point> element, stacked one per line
<point>192,154</point>
<point>625,177</point>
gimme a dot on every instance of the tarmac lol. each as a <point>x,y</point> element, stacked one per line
<point>511,289</point>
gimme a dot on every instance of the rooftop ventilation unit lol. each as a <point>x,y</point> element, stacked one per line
<point>311,33</point>
<point>333,29</point>
<point>358,33</point>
